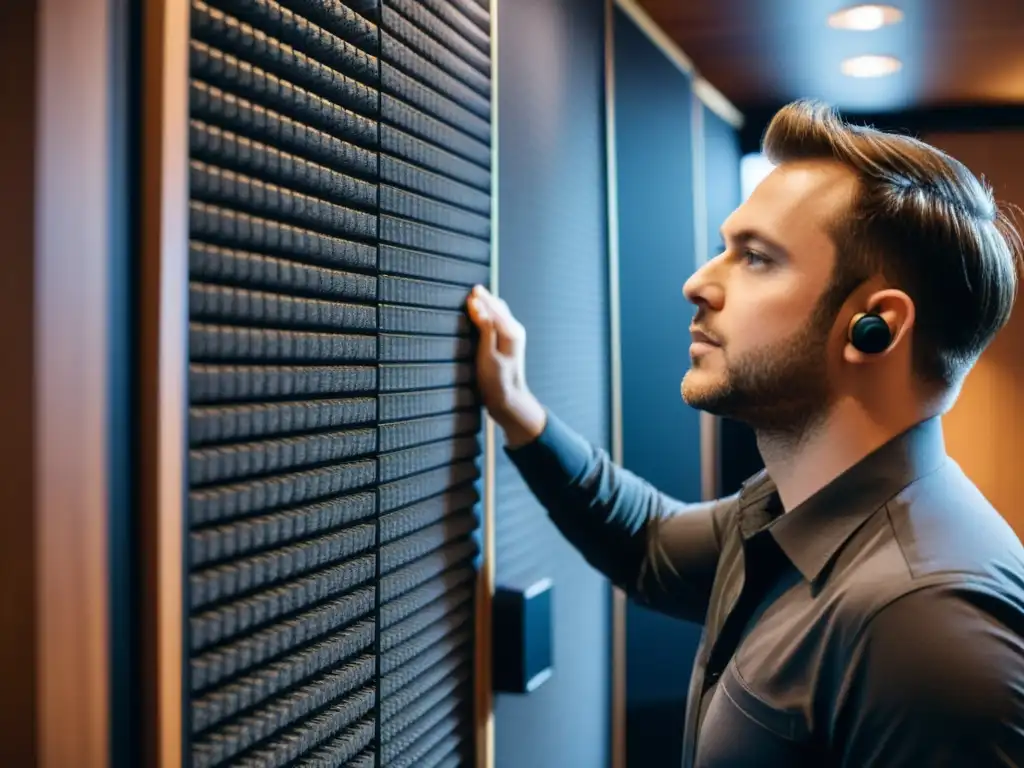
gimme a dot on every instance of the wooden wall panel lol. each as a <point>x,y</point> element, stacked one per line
<point>985,429</point>
<point>55,220</point>
<point>17,492</point>
<point>73,261</point>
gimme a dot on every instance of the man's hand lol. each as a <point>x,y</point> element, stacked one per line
<point>501,369</point>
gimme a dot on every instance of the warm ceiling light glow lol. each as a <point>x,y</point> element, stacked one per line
<point>871,66</point>
<point>865,18</point>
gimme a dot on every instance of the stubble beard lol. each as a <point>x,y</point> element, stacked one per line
<point>780,390</point>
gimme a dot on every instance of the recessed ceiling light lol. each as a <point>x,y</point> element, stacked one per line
<point>871,66</point>
<point>864,18</point>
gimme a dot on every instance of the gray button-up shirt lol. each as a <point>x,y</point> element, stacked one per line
<point>880,623</point>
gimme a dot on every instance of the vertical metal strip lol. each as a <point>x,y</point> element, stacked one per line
<point>700,202</point>
<point>485,577</point>
<point>709,424</point>
<point>163,352</point>
<point>618,693</point>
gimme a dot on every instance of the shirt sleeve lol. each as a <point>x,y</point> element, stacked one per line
<point>662,552</point>
<point>936,680</point>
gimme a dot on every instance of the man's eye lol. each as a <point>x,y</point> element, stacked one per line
<point>756,259</point>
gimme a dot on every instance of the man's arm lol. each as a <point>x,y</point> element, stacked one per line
<point>661,551</point>
<point>936,680</point>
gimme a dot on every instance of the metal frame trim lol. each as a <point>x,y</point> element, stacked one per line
<point>618,618</point>
<point>708,94</point>
<point>163,352</point>
<point>485,578</point>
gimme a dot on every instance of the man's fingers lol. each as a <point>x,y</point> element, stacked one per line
<point>492,303</point>
<point>485,306</point>
<point>478,311</point>
<point>488,334</point>
<point>487,324</point>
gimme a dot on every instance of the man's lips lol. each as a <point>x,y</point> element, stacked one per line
<point>698,336</point>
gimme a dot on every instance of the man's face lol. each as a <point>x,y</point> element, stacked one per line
<point>763,303</point>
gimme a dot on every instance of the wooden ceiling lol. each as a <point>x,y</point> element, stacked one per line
<point>759,53</point>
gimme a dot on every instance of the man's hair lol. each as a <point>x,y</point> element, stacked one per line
<point>923,221</point>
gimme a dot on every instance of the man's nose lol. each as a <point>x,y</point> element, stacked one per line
<point>703,287</point>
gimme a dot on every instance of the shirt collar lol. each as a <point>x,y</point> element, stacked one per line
<point>811,534</point>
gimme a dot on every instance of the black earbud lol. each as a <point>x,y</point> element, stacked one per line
<point>870,334</point>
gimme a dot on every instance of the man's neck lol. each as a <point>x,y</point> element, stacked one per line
<point>800,466</point>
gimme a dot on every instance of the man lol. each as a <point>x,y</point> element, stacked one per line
<point>862,603</point>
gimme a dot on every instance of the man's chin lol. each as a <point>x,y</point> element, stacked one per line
<point>703,392</point>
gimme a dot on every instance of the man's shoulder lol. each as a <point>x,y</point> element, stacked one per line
<point>938,540</point>
<point>943,524</point>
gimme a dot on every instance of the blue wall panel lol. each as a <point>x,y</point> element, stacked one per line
<point>553,273</point>
<point>661,433</point>
<point>738,458</point>
<point>722,173</point>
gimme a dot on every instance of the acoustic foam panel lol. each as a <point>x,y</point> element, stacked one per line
<point>340,211</point>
